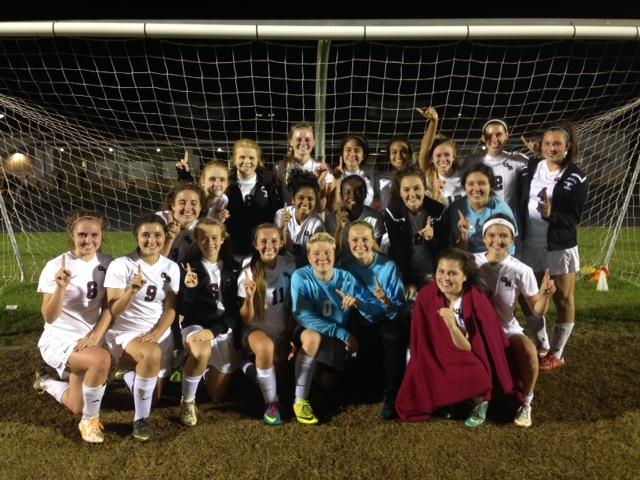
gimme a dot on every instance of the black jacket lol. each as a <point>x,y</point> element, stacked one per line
<point>198,304</point>
<point>266,199</point>
<point>400,238</point>
<point>567,203</point>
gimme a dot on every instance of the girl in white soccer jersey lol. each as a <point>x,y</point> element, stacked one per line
<point>353,154</point>
<point>506,165</point>
<point>264,292</point>
<point>300,221</point>
<point>504,278</point>
<point>142,290</point>
<point>73,301</point>
<point>208,302</point>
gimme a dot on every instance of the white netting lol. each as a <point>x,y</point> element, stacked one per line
<point>102,122</point>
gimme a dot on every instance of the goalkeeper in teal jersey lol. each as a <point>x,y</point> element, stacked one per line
<point>323,298</point>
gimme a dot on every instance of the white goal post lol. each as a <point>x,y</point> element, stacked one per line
<point>95,114</point>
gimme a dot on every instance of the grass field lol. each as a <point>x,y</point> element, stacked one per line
<point>586,417</point>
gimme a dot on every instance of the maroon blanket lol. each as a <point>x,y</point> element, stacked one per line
<point>440,374</point>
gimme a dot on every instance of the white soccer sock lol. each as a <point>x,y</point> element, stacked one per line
<point>190,387</point>
<point>92,397</point>
<point>55,388</point>
<point>527,399</point>
<point>267,384</point>
<point>538,328</point>
<point>142,396</point>
<point>305,367</point>
<point>129,378</point>
<point>561,334</point>
<point>249,369</point>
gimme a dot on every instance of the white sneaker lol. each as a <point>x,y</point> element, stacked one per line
<point>523,416</point>
<point>39,380</point>
<point>188,413</point>
<point>91,430</point>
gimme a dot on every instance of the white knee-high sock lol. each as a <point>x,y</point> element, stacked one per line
<point>305,367</point>
<point>190,387</point>
<point>267,384</point>
<point>55,388</point>
<point>92,397</point>
<point>561,334</point>
<point>538,328</point>
<point>142,396</point>
<point>129,378</point>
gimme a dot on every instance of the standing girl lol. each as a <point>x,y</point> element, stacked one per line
<point>73,308</point>
<point>264,288</point>
<point>208,303</point>
<point>554,191</point>
<point>142,289</point>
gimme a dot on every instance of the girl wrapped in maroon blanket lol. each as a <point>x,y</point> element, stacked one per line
<point>439,374</point>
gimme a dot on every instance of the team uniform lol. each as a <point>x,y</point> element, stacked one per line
<point>299,233</point>
<point>212,305</point>
<point>504,281</point>
<point>147,306</point>
<point>81,307</point>
<point>277,302</point>
<point>184,246</point>
<point>218,205</point>
<point>506,170</point>
<point>317,306</point>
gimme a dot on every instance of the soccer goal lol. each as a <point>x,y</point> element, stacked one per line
<point>96,115</point>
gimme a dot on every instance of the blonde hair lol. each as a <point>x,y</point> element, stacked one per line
<point>247,143</point>
<point>321,237</point>
<point>363,223</point>
<point>288,159</point>
<point>212,164</point>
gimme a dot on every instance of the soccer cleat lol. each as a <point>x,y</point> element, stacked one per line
<point>40,378</point>
<point>188,413</point>
<point>272,415</point>
<point>523,417</point>
<point>142,430</point>
<point>304,412</point>
<point>478,415</point>
<point>388,411</point>
<point>91,430</point>
<point>550,363</point>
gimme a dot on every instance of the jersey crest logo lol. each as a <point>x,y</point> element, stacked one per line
<point>165,277</point>
<point>507,282</point>
<point>101,268</point>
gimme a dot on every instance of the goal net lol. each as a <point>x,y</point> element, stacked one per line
<point>100,123</point>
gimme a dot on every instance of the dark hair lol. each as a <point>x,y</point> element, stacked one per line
<point>356,178</point>
<point>299,179</point>
<point>149,218</point>
<point>568,130</point>
<point>187,186</point>
<point>479,168</point>
<point>404,140</point>
<point>410,171</point>
<point>465,259</point>
<point>502,216</point>
<point>362,143</point>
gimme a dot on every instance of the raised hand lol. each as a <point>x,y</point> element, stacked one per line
<point>63,276</point>
<point>191,278</point>
<point>427,231</point>
<point>440,184</point>
<point>380,295</point>
<point>286,217</point>
<point>183,164</point>
<point>548,286</point>
<point>464,225</point>
<point>249,285</point>
<point>321,172</point>
<point>339,170</point>
<point>173,229</point>
<point>532,146</point>
<point>429,113</point>
<point>137,281</point>
<point>342,217</point>
<point>223,215</point>
<point>448,314</point>
<point>347,300</point>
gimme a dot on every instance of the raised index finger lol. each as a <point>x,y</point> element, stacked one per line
<point>342,294</point>
<point>139,269</point>
<point>460,215</point>
<point>63,265</point>
<point>188,267</point>
<point>377,283</point>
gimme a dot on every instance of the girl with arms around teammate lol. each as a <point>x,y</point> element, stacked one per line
<point>142,290</point>
<point>76,318</point>
<point>264,289</point>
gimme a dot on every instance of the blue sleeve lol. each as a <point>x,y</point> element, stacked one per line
<point>304,306</point>
<point>368,305</point>
<point>394,289</point>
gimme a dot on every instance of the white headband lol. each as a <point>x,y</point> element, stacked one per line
<point>498,221</point>
<point>495,120</point>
